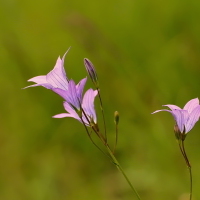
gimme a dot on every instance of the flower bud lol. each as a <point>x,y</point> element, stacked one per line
<point>116,117</point>
<point>91,71</point>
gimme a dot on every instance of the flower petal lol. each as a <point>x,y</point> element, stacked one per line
<point>193,118</point>
<point>63,59</point>
<point>57,77</point>
<point>40,81</point>
<point>172,107</point>
<point>60,92</point>
<point>72,96</point>
<point>69,95</point>
<point>181,117</point>
<point>161,110</point>
<point>191,105</point>
<point>62,115</point>
<point>79,88</point>
<point>88,104</point>
<point>71,112</point>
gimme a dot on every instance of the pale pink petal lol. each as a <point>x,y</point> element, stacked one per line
<point>80,87</point>
<point>88,104</point>
<point>40,81</point>
<point>172,107</point>
<point>69,109</point>
<point>62,115</point>
<point>193,118</point>
<point>180,117</point>
<point>191,105</point>
<point>57,77</point>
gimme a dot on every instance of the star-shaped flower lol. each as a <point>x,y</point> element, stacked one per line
<point>57,81</point>
<point>185,118</point>
<point>56,78</point>
<point>88,115</point>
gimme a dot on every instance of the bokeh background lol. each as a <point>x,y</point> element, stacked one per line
<point>146,53</point>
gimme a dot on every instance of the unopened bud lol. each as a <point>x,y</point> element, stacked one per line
<point>91,71</point>
<point>116,117</point>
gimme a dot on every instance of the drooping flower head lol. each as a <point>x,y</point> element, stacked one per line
<point>185,118</point>
<point>91,71</point>
<point>88,115</point>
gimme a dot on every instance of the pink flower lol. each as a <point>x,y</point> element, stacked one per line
<point>185,118</point>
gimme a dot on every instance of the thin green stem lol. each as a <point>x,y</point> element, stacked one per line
<point>102,111</point>
<point>95,128</point>
<point>111,155</point>
<point>182,148</point>
<point>116,137</point>
<point>115,161</point>
<point>93,140</point>
<point>190,169</point>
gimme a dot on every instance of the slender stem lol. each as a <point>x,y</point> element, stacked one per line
<point>93,140</point>
<point>190,172</point>
<point>116,163</point>
<point>182,148</point>
<point>102,111</point>
<point>101,137</point>
<point>111,155</point>
<point>190,169</point>
<point>116,137</point>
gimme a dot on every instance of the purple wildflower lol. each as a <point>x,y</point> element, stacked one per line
<point>57,81</point>
<point>56,78</point>
<point>87,105</point>
<point>185,118</point>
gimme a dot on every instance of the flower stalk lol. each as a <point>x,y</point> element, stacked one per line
<point>185,119</point>
<point>116,120</point>
<point>116,163</point>
<point>93,75</point>
<point>183,152</point>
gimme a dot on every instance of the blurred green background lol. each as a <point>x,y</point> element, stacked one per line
<point>146,54</point>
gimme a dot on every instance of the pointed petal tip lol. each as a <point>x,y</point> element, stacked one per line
<point>155,112</point>
<point>65,53</point>
<point>62,115</point>
<point>161,110</point>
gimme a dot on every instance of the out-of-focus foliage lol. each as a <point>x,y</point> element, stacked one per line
<point>146,53</point>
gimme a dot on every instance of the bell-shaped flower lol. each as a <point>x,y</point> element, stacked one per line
<point>57,81</point>
<point>88,113</point>
<point>73,95</point>
<point>185,118</point>
<point>56,78</point>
